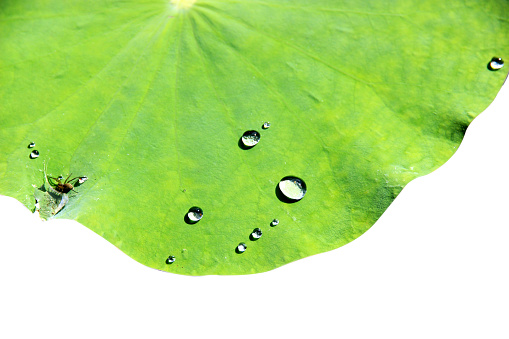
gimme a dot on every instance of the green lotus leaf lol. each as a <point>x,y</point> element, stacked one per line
<point>149,100</point>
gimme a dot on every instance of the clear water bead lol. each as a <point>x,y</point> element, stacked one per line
<point>257,233</point>
<point>195,214</point>
<point>293,188</point>
<point>60,177</point>
<point>241,248</point>
<point>34,154</point>
<point>170,260</point>
<point>250,138</point>
<point>82,179</point>
<point>31,145</point>
<point>274,222</point>
<point>496,64</point>
<point>266,125</point>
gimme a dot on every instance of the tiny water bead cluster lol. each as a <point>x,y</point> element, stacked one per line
<point>250,138</point>
<point>290,189</point>
<point>35,153</point>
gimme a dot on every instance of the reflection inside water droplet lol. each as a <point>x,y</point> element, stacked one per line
<point>292,188</point>
<point>170,260</point>
<point>250,138</point>
<point>266,125</point>
<point>241,248</point>
<point>195,214</point>
<point>257,233</point>
<point>34,154</point>
<point>496,64</point>
<point>31,145</point>
<point>274,222</point>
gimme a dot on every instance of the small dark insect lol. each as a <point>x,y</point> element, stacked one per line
<point>63,187</point>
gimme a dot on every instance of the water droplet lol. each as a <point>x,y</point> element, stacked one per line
<point>274,222</point>
<point>496,64</point>
<point>60,177</point>
<point>195,214</point>
<point>250,138</point>
<point>241,248</point>
<point>257,233</point>
<point>292,188</point>
<point>31,145</point>
<point>82,180</point>
<point>266,125</point>
<point>34,154</point>
<point>170,260</point>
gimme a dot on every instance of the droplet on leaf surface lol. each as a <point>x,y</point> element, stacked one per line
<point>241,248</point>
<point>195,214</point>
<point>250,138</point>
<point>82,180</point>
<point>31,145</point>
<point>496,64</point>
<point>257,233</point>
<point>170,260</point>
<point>266,125</point>
<point>34,154</point>
<point>292,188</point>
<point>274,222</point>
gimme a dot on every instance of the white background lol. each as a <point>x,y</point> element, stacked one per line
<point>436,265</point>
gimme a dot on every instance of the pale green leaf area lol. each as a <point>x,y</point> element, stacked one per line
<point>149,98</point>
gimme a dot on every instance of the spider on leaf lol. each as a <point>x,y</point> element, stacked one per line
<point>66,186</point>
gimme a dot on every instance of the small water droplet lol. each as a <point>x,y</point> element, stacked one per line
<point>241,248</point>
<point>274,222</point>
<point>496,64</point>
<point>257,233</point>
<point>60,177</point>
<point>34,154</point>
<point>195,214</point>
<point>82,180</point>
<point>170,260</point>
<point>31,145</point>
<point>292,188</point>
<point>266,125</point>
<point>250,138</point>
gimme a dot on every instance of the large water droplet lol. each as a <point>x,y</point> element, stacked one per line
<point>194,215</point>
<point>170,260</point>
<point>34,154</point>
<point>31,145</point>
<point>241,248</point>
<point>496,64</point>
<point>274,222</point>
<point>291,188</point>
<point>250,138</point>
<point>256,234</point>
<point>266,125</point>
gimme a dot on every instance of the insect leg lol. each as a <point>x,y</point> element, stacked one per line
<point>73,179</point>
<point>67,178</point>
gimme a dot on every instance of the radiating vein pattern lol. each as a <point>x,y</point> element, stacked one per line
<point>149,100</point>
